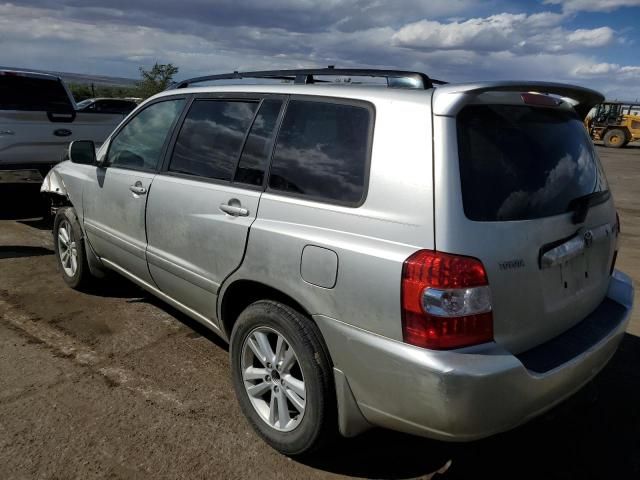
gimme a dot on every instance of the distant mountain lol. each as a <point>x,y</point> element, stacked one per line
<point>83,78</point>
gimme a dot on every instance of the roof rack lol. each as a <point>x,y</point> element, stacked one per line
<point>395,78</point>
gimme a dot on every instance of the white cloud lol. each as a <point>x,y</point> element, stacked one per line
<point>631,71</point>
<point>619,73</point>
<point>593,5</point>
<point>502,46</point>
<point>503,32</point>
<point>595,69</point>
<point>483,33</point>
<point>597,37</point>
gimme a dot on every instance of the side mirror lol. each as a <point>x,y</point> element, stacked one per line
<point>83,152</point>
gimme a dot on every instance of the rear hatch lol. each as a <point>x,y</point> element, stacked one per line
<point>519,186</point>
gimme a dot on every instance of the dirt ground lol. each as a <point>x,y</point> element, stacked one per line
<point>115,384</point>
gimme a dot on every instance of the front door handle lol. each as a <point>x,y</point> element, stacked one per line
<point>137,188</point>
<point>234,210</point>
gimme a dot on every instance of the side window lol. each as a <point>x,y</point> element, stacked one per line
<point>139,144</point>
<point>211,137</point>
<point>255,155</point>
<point>322,151</point>
<point>107,106</point>
<point>114,106</point>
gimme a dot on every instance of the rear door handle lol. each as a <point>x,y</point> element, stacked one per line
<point>137,188</point>
<point>234,210</point>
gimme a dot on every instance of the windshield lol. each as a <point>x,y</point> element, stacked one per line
<point>521,162</point>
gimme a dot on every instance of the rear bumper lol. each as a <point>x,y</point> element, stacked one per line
<point>476,392</point>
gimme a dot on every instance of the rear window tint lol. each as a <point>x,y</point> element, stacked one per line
<point>255,155</point>
<point>33,94</point>
<point>211,137</point>
<point>520,163</point>
<point>322,151</point>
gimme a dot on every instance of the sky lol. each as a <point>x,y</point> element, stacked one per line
<point>594,43</point>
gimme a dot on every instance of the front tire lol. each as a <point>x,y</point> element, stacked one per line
<point>283,377</point>
<point>68,244</point>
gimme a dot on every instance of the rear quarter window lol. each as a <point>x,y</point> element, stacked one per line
<point>521,162</point>
<point>322,152</point>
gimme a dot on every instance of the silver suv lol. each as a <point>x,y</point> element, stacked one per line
<point>437,260</point>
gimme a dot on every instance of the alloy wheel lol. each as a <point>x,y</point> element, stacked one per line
<point>67,250</point>
<point>273,379</point>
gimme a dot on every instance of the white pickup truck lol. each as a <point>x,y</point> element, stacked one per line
<point>38,119</point>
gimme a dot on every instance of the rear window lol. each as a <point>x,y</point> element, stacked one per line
<point>322,152</point>
<point>34,94</point>
<point>521,163</point>
<point>211,137</point>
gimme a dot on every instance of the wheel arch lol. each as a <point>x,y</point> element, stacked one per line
<point>96,267</point>
<point>241,293</point>
<point>54,190</point>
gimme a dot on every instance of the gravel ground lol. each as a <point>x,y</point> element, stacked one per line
<point>115,384</point>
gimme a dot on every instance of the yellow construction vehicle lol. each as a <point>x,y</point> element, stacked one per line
<point>615,123</point>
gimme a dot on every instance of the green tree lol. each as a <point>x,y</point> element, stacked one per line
<point>157,79</point>
<point>82,91</point>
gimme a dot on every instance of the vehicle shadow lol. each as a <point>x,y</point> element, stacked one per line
<point>199,330</point>
<point>39,223</point>
<point>18,201</point>
<point>117,286</point>
<point>18,251</point>
<point>594,434</point>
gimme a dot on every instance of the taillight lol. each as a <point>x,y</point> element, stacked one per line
<point>446,301</point>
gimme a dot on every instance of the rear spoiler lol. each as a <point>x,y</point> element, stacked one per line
<point>448,100</point>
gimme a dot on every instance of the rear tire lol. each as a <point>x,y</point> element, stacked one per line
<point>615,138</point>
<point>68,244</point>
<point>296,378</point>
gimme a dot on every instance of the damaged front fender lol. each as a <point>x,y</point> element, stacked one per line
<point>53,184</point>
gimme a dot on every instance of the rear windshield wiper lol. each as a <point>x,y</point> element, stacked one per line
<point>580,205</point>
